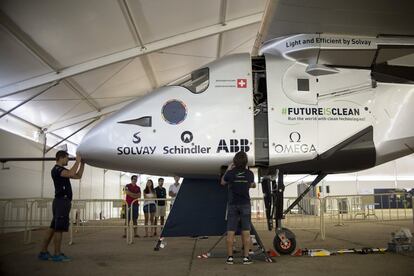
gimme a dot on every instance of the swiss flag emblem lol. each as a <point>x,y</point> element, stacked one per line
<point>241,83</point>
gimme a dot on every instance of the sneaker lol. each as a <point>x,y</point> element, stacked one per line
<point>230,260</point>
<point>247,260</point>
<point>44,256</point>
<point>65,258</point>
<point>60,258</point>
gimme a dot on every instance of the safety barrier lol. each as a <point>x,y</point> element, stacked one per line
<point>26,214</point>
<point>131,226</point>
<point>84,215</point>
<point>305,216</point>
<point>19,214</point>
<point>376,207</point>
<point>95,213</point>
<point>39,215</point>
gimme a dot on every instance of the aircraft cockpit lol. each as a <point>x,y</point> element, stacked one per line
<point>196,82</point>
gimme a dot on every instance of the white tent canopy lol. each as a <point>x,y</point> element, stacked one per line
<point>86,59</point>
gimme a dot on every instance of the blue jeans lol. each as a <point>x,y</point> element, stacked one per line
<point>149,208</point>
<point>135,213</point>
<point>239,214</point>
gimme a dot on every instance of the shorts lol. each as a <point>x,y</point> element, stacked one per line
<point>160,212</point>
<point>239,215</point>
<point>135,213</point>
<point>149,208</point>
<point>61,210</point>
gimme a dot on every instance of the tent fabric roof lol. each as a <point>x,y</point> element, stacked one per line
<point>130,46</point>
<point>81,60</point>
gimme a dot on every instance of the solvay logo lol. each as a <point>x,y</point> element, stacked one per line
<point>135,138</point>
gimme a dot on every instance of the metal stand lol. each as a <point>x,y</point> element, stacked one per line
<point>159,243</point>
<point>261,245</point>
<point>259,251</point>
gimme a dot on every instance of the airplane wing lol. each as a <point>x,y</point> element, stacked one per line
<point>353,17</point>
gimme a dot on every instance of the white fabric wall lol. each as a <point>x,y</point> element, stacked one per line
<point>23,179</point>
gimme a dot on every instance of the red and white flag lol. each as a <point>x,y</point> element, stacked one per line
<point>241,83</point>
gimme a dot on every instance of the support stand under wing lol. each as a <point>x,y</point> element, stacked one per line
<point>199,210</point>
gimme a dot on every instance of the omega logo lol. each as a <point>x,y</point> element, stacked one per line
<point>294,135</point>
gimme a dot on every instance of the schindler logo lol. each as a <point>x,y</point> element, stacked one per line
<point>321,111</point>
<point>233,145</point>
<point>186,137</point>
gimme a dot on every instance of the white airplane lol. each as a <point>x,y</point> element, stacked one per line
<point>308,103</point>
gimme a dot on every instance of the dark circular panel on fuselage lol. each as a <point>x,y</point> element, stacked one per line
<point>174,112</point>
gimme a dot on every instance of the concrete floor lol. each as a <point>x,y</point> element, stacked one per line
<point>104,252</point>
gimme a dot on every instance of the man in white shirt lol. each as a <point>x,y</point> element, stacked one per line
<point>173,190</point>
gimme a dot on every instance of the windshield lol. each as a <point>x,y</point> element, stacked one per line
<point>394,64</point>
<point>197,81</point>
<point>396,56</point>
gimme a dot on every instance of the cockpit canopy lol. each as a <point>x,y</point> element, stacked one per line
<point>197,81</point>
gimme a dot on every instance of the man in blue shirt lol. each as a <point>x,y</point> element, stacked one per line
<point>239,180</point>
<point>160,211</point>
<point>61,204</point>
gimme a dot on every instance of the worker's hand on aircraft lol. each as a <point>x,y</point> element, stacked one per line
<point>78,157</point>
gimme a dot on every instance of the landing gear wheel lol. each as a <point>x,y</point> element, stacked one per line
<point>284,241</point>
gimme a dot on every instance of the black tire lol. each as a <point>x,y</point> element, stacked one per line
<point>285,248</point>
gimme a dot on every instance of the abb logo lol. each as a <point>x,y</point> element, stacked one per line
<point>235,145</point>
<point>241,83</point>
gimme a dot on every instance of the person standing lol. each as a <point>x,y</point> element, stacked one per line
<point>61,204</point>
<point>160,212</point>
<point>132,192</point>
<point>149,207</point>
<point>239,180</point>
<point>173,190</point>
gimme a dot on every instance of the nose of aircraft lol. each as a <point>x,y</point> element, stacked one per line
<point>97,145</point>
<point>101,146</point>
<point>91,145</point>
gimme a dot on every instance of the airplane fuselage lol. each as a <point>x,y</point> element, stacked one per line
<point>303,106</point>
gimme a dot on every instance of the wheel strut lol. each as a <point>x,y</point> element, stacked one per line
<point>284,241</point>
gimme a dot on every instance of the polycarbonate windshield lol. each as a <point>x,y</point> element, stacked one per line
<point>197,81</point>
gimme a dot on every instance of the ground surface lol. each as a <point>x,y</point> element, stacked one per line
<point>105,252</point>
